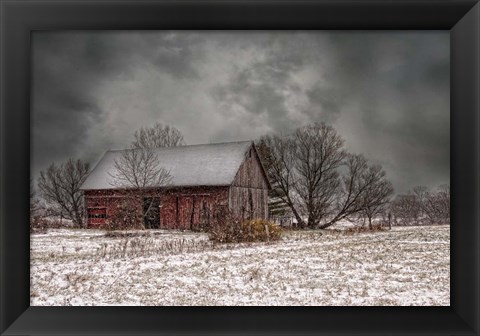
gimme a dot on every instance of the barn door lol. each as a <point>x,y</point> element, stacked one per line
<point>151,212</point>
<point>193,211</point>
<point>185,212</point>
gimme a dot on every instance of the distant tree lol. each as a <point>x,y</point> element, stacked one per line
<point>377,193</point>
<point>33,199</point>
<point>138,171</point>
<point>406,209</point>
<point>60,186</point>
<point>158,135</point>
<point>33,206</point>
<point>434,205</point>
<point>424,199</point>
<point>443,201</point>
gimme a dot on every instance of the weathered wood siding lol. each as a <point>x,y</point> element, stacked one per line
<point>248,194</point>
<point>187,208</point>
<point>250,173</point>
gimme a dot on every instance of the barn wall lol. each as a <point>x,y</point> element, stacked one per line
<point>195,206</point>
<point>248,194</point>
<point>103,199</point>
<point>200,201</point>
<point>249,202</point>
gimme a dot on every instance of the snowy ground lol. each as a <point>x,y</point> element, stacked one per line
<point>405,266</point>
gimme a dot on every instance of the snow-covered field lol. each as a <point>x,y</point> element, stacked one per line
<point>405,266</point>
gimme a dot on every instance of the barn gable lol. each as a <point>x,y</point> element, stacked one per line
<point>193,165</point>
<point>248,194</point>
<point>251,173</point>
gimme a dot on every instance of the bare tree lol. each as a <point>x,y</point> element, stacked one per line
<point>349,199</point>
<point>406,209</point>
<point>377,193</point>
<point>305,170</point>
<point>139,172</point>
<point>33,199</point>
<point>277,207</point>
<point>60,187</point>
<point>33,207</point>
<point>365,191</point>
<point>434,205</point>
<point>277,153</point>
<point>426,204</point>
<point>318,155</point>
<point>158,135</point>
<point>443,201</point>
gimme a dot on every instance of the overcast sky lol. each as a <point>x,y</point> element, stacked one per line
<point>386,93</point>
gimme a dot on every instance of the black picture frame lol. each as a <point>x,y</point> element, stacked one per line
<point>19,18</point>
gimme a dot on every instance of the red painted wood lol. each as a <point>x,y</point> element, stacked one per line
<point>170,218</point>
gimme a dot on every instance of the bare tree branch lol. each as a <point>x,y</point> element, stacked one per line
<point>138,170</point>
<point>158,135</point>
<point>306,168</point>
<point>318,155</point>
<point>277,152</point>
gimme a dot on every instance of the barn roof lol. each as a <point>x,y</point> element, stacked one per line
<point>194,165</point>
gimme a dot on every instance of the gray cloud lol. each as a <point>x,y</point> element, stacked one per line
<point>386,93</point>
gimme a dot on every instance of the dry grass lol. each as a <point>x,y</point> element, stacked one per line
<point>405,266</point>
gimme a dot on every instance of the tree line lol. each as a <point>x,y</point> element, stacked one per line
<point>422,206</point>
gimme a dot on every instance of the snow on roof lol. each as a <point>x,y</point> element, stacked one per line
<point>194,165</point>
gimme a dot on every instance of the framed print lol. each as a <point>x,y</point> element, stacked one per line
<point>250,71</point>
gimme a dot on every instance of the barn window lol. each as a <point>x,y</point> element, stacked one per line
<point>97,212</point>
<point>96,216</point>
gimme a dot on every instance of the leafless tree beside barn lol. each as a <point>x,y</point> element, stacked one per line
<point>318,179</point>
<point>277,154</point>
<point>318,156</point>
<point>139,173</point>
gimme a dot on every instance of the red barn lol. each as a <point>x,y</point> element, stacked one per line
<point>204,178</point>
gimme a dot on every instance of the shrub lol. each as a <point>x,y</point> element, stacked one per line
<point>359,229</point>
<point>260,230</point>
<point>38,224</point>
<point>225,228</point>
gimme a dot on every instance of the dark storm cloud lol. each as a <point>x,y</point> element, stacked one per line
<point>69,67</point>
<point>401,85</point>
<point>386,93</point>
